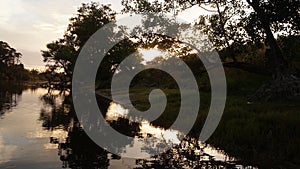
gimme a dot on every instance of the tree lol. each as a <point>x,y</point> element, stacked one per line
<point>60,57</point>
<point>61,54</point>
<point>276,14</point>
<point>261,19</point>
<point>226,32</point>
<point>10,66</point>
<point>8,55</point>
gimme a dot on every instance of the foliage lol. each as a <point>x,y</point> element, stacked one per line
<point>234,24</point>
<point>282,15</point>
<point>8,55</point>
<point>225,27</point>
<point>263,134</point>
<point>61,54</point>
<point>279,16</point>
<point>10,66</point>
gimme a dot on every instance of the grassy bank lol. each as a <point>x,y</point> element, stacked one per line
<point>265,134</point>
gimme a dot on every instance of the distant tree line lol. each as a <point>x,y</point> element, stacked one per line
<point>254,35</point>
<point>11,69</point>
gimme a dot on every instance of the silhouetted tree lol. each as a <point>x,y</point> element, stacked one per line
<point>10,66</point>
<point>61,54</point>
<point>8,55</point>
<point>235,24</point>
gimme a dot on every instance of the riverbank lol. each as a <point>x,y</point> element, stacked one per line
<point>266,134</point>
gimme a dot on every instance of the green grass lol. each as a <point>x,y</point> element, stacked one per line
<point>141,102</point>
<point>261,132</point>
<point>266,134</point>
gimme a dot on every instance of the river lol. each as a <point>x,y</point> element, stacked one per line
<point>39,130</point>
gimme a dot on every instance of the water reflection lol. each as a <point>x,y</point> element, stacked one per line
<point>38,125</point>
<point>6,151</point>
<point>188,153</point>
<point>78,151</point>
<point>47,127</point>
<point>148,138</point>
<point>23,142</point>
<point>9,96</point>
<point>56,112</point>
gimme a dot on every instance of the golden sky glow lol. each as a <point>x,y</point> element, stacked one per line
<point>28,25</point>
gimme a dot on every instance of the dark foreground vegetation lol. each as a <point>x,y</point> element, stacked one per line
<point>258,42</point>
<point>10,66</point>
<point>260,37</point>
<point>260,122</point>
<point>263,134</point>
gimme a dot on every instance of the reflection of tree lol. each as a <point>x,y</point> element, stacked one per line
<point>9,96</point>
<point>80,152</point>
<point>56,115</point>
<point>189,153</point>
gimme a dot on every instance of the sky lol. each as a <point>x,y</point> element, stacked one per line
<point>28,25</point>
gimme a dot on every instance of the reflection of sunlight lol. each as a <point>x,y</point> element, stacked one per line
<point>150,54</point>
<point>148,133</point>
<point>155,136</point>
<point>50,146</point>
<point>171,136</point>
<point>115,111</point>
<point>217,154</point>
<point>42,91</point>
<point>134,150</point>
<point>6,151</point>
<point>38,68</point>
<point>58,133</point>
<point>38,134</point>
<point>167,135</point>
<point>147,128</point>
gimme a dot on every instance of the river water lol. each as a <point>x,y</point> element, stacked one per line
<point>39,130</point>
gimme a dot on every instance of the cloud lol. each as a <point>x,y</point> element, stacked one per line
<point>8,8</point>
<point>28,25</point>
<point>6,151</point>
<point>31,58</point>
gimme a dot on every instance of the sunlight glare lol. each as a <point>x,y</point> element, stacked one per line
<point>150,54</point>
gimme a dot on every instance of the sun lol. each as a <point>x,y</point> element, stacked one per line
<point>150,54</point>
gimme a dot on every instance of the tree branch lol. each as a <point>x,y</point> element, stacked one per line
<point>208,10</point>
<point>252,68</point>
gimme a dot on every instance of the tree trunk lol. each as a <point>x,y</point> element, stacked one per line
<point>283,85</point>
<point>280,66</point>
<point>222,23</point>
